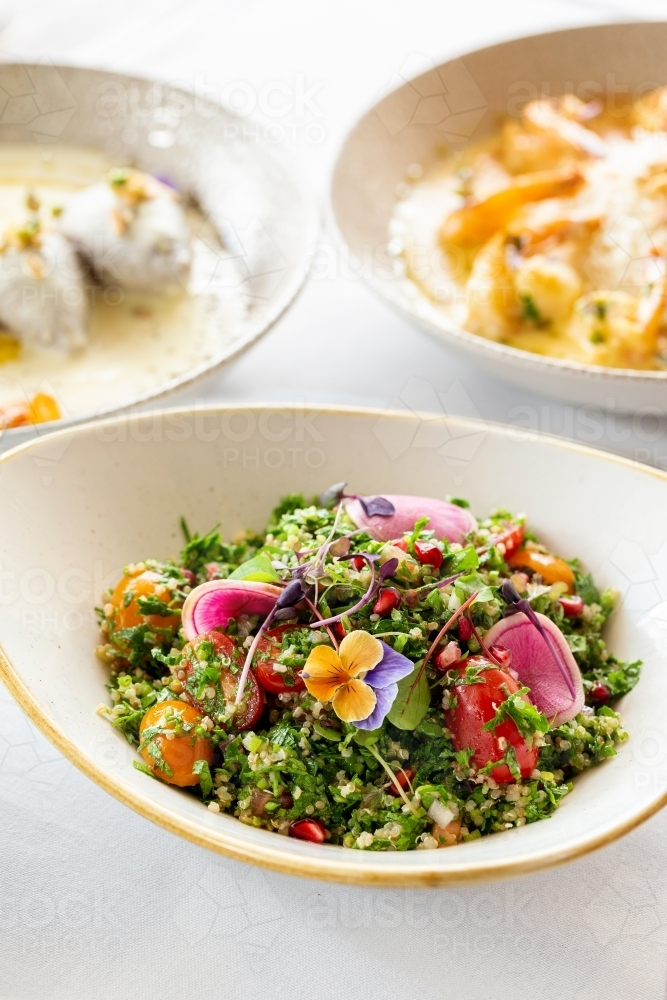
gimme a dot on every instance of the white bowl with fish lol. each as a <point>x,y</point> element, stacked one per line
<point>146,237</point>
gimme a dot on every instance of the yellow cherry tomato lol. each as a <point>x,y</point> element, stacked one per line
<point>551,568</point>
<point>171,758</point>
<point>141,584</point>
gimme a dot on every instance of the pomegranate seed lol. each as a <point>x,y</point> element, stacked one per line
<point>502,656</point>
<point>388,599</point>
<point>572,605</point>
<point>448,656</point>
<point>464,629</point>
<point>600,692</point>
<point>428,554</point>
<point>403,777</point>
<point>399,543</point>
<point>189,576</point>
<point>308,829</point>
<point>338,630</point>
<point>358,563</point>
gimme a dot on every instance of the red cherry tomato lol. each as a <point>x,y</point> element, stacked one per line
<point>510,540</point>
<point>475,706</point>
<point>428,554</point>
<point>270,679</point>
<point>210,685</point>
<point>399,543</point>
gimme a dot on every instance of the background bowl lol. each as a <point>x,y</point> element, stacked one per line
<point>78,505</point>
<point>254,198</point>
<point>464,100</point>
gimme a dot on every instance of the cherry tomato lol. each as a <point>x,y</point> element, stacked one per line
<point>399,543</point>
<point>428,554</point>
<point>572,605</point>
<point>171,759</point>
<point>551,568</point>
<point>510,540</point>
<point>211,684</point>
<point>270,679</point>
<point>475,706</point>
<point>141,584</point>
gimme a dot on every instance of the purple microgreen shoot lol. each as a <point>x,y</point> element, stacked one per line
<point>321,622</point>
<point>482,645</point>
<point>332,496</point>
<point>376,506</point>
<point>364,600</point>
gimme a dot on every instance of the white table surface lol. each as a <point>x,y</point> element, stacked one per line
<point>95,902</point>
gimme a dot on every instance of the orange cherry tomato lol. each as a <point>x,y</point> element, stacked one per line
<point>171,758</point>
<point>211,685</point>
<point>551,568</point>
<point>476,705</point>
<point>142,584</point>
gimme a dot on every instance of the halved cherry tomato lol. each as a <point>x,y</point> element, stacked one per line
<point>428,554</point>
<point>476,705</point>
<point>211,685</point>
<point>550,567</point>
<point>172,758</point>
<point>140,584</point>
<point>270,679</point>
<point>510,539</point>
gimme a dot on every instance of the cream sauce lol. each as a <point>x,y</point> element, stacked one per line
<point>633,225</point>
<point>137,342</point>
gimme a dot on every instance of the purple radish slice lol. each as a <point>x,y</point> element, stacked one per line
<point>536,667</point>
<point>213,604</point>
<point>446,520</point>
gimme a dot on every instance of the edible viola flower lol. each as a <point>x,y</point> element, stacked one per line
<point>359,680</point>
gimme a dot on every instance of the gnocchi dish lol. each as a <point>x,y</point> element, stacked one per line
<point>551,236</point>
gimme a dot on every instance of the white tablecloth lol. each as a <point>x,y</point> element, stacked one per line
<point>97,902</point>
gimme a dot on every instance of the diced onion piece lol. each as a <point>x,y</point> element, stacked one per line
<point>440,814</point>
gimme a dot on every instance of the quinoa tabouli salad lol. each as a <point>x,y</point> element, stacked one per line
<point>382,673</point>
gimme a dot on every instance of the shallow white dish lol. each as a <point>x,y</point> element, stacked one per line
<point>254,229</point>
<point>463,100</point>
<point>78,505</point>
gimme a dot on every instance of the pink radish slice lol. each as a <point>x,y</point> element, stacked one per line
<point>446,520</point>
<point>212,604</point>
<point>535,665</point>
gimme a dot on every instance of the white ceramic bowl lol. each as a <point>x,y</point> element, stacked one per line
<point>463,100</point>
<point>254,197</point>
<point>80,504</point>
